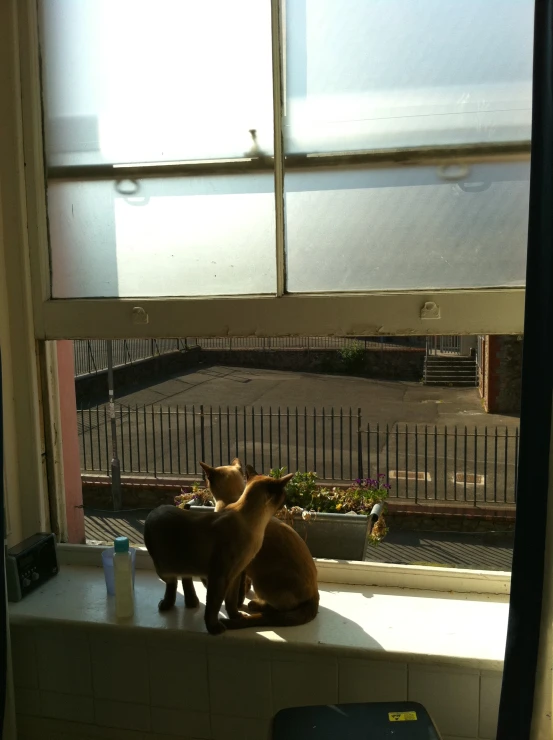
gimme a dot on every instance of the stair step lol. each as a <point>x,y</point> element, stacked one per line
<point>452,383</point>
<point>459,365</point>
<point>450,371</point>
<point>451,358</point>
<point>462,376</point>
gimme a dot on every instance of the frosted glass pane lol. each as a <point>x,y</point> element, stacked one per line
<point>137,81</point>
<point>370,74</point>
<point>173,237</point>
<point>407,228</point>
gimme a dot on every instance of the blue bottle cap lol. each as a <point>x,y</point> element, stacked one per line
<point>121,544</point>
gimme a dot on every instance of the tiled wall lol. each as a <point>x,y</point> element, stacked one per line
<point>77,684</point>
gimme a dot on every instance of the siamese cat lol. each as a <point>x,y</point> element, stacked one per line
<point>283,574</point>
<point>214,545</point>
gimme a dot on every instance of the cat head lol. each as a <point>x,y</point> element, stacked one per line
<point>264,491</point>
<point>226,482</point>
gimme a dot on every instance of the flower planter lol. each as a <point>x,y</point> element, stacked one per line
<point>334,536</point>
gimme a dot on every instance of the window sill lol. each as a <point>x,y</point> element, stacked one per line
<point>461,629</point>
<point>353,573</point>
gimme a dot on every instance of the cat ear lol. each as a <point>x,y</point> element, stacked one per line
<point>250,472</point>
<point>285,479</point>
<point>208,470</point>
<point>237,464</point>
<point>277,489</point>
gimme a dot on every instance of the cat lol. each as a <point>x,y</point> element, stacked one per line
<point>230,479</point>
<point>217,545</point>
<point>283,574</point>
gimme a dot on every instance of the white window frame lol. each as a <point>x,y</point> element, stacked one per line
<point>460,311</point>
<point>29,314</point>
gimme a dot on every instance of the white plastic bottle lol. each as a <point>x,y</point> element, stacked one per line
<point>122,570</point>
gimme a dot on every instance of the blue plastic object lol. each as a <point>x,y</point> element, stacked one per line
<point>398,720</point>
<point>121,544</point>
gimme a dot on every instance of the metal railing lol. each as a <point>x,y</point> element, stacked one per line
<point>91,354</point>
<point>421,462</point>
<point>480,362</point>
<point>379,343</point>
<point>447,345</point>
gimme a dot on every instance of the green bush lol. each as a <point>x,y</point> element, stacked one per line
<point>353,357</point>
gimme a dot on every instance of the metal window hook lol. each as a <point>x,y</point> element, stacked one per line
<point>127,187</point>
<point>453,172</point>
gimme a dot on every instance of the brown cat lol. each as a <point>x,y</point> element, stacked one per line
<point>283,573</point>
<point>230,479</point>
<point>216,545</point>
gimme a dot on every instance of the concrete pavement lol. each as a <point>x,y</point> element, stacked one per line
<point>154,438</point>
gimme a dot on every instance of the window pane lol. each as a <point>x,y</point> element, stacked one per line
<point>136,81</point>
<point>407,228</point>
<point>370,74</point>
<point>172,237</point>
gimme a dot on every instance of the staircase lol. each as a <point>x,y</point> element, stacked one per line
<point>450,370</point>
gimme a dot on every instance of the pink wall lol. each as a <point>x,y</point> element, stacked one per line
<point>71,458</point>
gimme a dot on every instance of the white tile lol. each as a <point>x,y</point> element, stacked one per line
<point>120,671</point>
<point>450,695</point>
<point>43,728</point>
<point>164,736</point>
<point>240,728</point>
<point>178,678</point>
<point>24,662</point>
<point>304,682</point>
<point>239,685</point>
<point>27,701</point>
<point>351,617</point>
<point>490,692</point>
<point>177,723</point>
<point>63,661</point>
<point>67,706</point>
<point>122,715</point>
<point>371,680</point>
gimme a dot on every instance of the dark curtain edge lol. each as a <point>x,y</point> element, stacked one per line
<point>523,633</point>
<point>3,606</point>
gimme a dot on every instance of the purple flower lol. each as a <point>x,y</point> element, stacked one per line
<point>387,486</point>
<point>381,475</point>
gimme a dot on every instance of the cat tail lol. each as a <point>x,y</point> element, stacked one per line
<point>302,614</point>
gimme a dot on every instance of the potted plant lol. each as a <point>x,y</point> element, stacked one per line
<point>336,523</point>
<point>194,497</point>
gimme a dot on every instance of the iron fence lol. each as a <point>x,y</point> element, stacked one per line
<point>443,344</point>
<point>381,343</point>
<point>91,354</point>
<point>420,462</point>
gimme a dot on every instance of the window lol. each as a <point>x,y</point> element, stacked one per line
<point>317,189</point>
<point>278,167</point>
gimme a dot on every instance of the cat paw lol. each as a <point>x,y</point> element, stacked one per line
<point>164,606</point>
<point>216,628</point>
<point>254,607</point>
<point>192,603</point>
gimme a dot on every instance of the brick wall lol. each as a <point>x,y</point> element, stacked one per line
<point>392,364</point>
<point>502,363</point>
